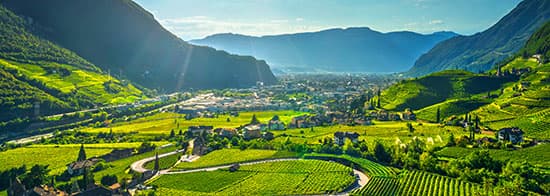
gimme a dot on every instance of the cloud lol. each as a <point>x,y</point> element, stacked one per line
<point>201,26</point>
<point>436,22</point>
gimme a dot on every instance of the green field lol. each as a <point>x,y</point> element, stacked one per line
<point>163,123</point>
<point>538,155</point>
<point>164,162</point>
<point>274,178</point>
<point>388,132</point>
<point>228,156</point>
<point>121,168</point>
<point>56,156</point>
<point>418,183</point>
<point>88,85</point>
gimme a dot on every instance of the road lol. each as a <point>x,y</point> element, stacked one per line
<point>137,166</point>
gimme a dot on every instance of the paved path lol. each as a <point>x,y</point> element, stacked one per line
<point>138,165</point>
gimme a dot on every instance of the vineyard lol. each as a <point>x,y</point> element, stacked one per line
<point>228,156</point>
<point>418,183</point>
<point>273,178</point>
<point>370,168</point>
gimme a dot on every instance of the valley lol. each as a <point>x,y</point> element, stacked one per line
<point>106,98</point>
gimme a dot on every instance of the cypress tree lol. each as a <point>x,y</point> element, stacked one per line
<point>438,116</point>
<point>157,162</point>
<point>81,154</point>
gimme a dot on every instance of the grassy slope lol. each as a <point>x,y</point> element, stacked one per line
<point>56,156</point>
<point>52,70</point>
<point>528,109</point>
<point>228,156</point>
<point>163,123</point>
<point>538,155</point>
<point>438,87</point>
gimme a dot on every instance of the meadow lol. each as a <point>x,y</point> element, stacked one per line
<point>56,156</point>
<point>228,156</point>
<point>274,178</point>
<point>538,155</point>
<point>164,162</point>
<point>163,123</point>
<point>85,83</point>
<point>387,132</point>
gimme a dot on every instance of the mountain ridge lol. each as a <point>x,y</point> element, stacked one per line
<point>123,37</point>
<point>481,51</point>
<point>354,49</point>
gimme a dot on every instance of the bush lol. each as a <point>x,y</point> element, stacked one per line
<point>109,180</point>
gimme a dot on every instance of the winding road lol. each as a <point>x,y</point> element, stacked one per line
<point>362,178</point>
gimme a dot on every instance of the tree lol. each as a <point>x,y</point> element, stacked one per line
<point>254,120</point>
<point>109,180</point>
<point>81,153</point>
<point>410,127</point>
<point>451,141</point>
<point>378,100</point>
<point>88,178</point>
<point>172,134</point>
<point>157,167</point>
<point>36,176</point>
<point>438,116</point>
<point>180,133</point>
<point>380,153</point>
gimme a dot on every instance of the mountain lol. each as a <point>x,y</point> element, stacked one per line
<point>121,37</point>
<point>334,50</point>
<point>514,94</point>
<point>479,52</point>
<point>35,71</point>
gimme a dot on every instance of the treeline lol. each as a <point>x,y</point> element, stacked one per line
<point>19,43</point>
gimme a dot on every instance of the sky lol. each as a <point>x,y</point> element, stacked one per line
<point>195,19</point>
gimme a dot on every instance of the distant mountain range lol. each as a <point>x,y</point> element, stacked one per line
<point>121,37</point>
<point>333,50</point>
<point>481,51</point>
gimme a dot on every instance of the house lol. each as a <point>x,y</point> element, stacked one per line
<point>251,133</point>
<point>78,167</point>
<point>226,132</point>
<point>197,130</point>
<point>200,146</point>
<point>96,191</point>
<point>382,115</point>
<point>275,124</point>
<point>46,190</point>
<point>511,134</point>
<point>300,122</point>
<point>408,115</point>
<point>260,127</point>
<point>340,137</point>
<point>117,154</point>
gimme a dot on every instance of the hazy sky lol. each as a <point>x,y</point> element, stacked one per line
<point>191,19</point>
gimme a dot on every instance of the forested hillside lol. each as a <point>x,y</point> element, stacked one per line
<point>35,70</point>
<point>481,51</point>
<point>121,36</point>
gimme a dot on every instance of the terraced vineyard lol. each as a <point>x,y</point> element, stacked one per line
<point>418,183</point>
<point>369,167</point>
<point>380,186</point>
<point>274,178</point>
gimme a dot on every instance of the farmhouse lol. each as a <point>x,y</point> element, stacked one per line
<point>225,132</point>
<point>276,124</point>
<point>117,154</point>
<point>299,122</point>
<point>252,132</point>
<point>197,130</point>
<point>511,134</point>
<point>340,137</point>
<point>78,167</point>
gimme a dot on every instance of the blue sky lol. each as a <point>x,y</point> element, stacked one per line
<point>191,19</point>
